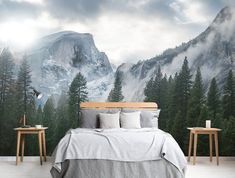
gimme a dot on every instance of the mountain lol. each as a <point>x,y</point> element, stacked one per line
<point>53,64</point>
<point>213,51</point>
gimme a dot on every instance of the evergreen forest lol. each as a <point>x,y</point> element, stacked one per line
<point>182,98</point>
<point>185,102</point>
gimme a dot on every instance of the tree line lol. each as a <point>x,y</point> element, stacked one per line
<point>17,99</point>
<point>184,102</point>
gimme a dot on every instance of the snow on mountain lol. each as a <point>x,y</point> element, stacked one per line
<point>53,64</point>
<point>53,67</point>
<point>213,51</point>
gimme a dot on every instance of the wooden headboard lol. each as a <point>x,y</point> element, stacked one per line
<point>112,105</point>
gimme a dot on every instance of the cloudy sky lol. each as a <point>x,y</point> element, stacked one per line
<point>126,30</point>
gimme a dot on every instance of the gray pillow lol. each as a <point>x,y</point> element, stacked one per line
<point>147,118</point>
<point>89,118</point>
<point>108,120</point>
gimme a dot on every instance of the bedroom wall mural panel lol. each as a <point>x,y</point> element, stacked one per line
<point>191,83</point>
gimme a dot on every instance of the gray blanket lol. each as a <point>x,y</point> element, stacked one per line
<point>116,169</point>
<point>129,145</point>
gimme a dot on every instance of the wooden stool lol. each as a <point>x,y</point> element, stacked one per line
<point>21,132</point>
<point>197,131</point>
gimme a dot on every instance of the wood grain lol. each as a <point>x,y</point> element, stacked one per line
<point>194,132</point>
<point>131,105</point>
<point>21,132</point>
<point>18,147</point>
<point>195,149</point>
<point>216,148</point>
<point>40,146</point>
<point>22,148</point>
<point>190,145</point>
<point>211,149</point>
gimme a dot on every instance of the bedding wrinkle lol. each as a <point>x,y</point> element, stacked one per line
<point>66,150</point>
<point>125,145</point>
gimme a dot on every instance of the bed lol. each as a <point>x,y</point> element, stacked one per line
<point>94,152</point>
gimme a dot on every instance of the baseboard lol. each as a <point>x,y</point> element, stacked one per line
<point>26,158</point>
<point>222,158</point>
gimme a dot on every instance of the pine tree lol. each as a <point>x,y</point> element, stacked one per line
<point>62,117</point>
<point>115,94</point>
<point>229,96</point>
<point>171,104</point>
<point>24,95</point>
<point>10,122</point>
<point>157,86</point>
<point>6,76</point>
<point>184,83</point>
<point>181,101</point>
<point>178,128</point>
<point>149,91</point>
<point>228,123</point>
<point>228,137</point>
<point>77,94</point>
<point>152,90</point>
<point>26,103</point>
<point>50,122</point>
<point>214,103</point>
<point>196,101</point>
<point>7,113</point>
<point>163,103</point>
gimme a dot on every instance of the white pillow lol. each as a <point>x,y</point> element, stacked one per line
<point>155,117</point>
<point>108,120</point>
<point>130,120</point>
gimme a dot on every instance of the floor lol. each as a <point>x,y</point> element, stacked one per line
<point>206,169</point>
<point>31,168</point>
<point>27,169</point>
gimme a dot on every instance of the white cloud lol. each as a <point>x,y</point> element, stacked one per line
<point>40,2</point>
<point>192,53</point>
<point>21,33</point>
<point>189,11</point>
<point>129,39</point>
<point>126,31</point>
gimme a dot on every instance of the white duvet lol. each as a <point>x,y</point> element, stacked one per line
<point>132,145</point>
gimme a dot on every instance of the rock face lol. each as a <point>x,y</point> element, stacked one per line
<point>53,64</point>
<point>213,51</point>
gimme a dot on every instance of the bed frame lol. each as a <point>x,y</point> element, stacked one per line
<point>112,105</point>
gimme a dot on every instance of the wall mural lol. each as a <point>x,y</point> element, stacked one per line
<point>191,83</point>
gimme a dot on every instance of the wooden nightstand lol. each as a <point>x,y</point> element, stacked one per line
<point>197,131</point>
<point>21,132</point>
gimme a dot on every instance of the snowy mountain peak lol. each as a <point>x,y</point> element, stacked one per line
<point>225,14</point>
<point>63,45</point>
<point>213,51</point>
<point>59,57</point>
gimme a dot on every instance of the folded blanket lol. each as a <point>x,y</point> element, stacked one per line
<point>130,145</point>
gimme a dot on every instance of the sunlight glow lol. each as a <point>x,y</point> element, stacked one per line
<point>20,34</point>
